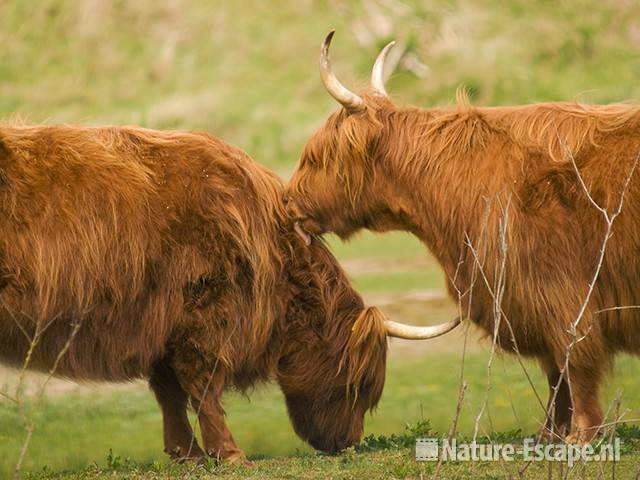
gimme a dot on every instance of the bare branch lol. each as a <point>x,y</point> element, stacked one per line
<point>613,309</point>
<point>454,425</point>
<point>29,422</point>
<point>8,397</point>
<point>609,221</point>
<point>508,323</point>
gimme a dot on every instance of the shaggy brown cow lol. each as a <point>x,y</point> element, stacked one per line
<point>169,256</point>
<point>451,176</point>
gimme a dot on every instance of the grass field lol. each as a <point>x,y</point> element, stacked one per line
<point>121,429</point>
<point>246,72</point>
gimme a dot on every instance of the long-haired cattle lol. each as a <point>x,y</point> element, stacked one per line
<point>130,253</point>
<point>483,186</point>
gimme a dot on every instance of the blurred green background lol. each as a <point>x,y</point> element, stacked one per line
<point>246,71</point>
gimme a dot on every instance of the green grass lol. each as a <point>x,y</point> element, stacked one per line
<point>391,463</point>
<point>74,431</point>
<point>390,246</point>
<point>403,281</point>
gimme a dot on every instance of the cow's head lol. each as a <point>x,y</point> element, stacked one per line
<point>339,181</point>
<point>332,369</point>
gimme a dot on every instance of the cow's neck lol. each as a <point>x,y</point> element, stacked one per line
<point>445,200</point>
<point>419,212</point>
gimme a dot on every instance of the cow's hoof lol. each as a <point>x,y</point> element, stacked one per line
<point>547,436</point>
<point>190,459</point>
<point>179,455</point>
<point>574,438</point>
<point>234,458</point>
<point>239,458</point>
<point>579,438</point>
<point>556,435</point>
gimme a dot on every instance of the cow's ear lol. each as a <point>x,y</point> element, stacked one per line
<point>356,136</point>
<point>365,346</point>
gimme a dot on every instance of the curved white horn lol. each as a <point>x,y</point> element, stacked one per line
<point>377,74</point>
<point>348,99</point>
<point>412,332</point>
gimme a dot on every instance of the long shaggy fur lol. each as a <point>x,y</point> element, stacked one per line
<point>173,254</point>
<point>452,176</point>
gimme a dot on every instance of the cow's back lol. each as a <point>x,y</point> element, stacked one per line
<point>106,228</point>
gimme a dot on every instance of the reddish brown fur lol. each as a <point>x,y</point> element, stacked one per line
<point>434,171</point>
<point>174,254</point>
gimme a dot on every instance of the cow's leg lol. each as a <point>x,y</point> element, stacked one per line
<point>179,441</point>
<point>558,412</point>
<point>216,436</point>
<point>205,389</point>
<point>587,416</point>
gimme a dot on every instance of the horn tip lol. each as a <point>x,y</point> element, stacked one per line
<point>329,36</point>
<point>327,42</point>
<point>389,46</point>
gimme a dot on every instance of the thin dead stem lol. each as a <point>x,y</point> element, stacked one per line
<point>499,289</point>
<point>609,219</point>
<point>28,418</point>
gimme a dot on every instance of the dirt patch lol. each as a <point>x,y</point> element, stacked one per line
<point>429,295</point>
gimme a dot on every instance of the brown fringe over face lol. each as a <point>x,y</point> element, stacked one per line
<point>317,390</point>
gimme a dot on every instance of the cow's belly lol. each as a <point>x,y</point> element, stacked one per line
<point>92,354</point>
